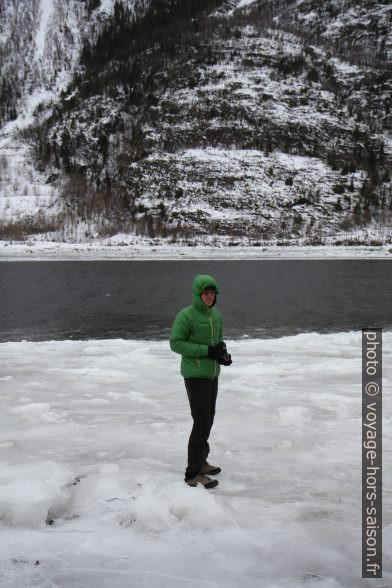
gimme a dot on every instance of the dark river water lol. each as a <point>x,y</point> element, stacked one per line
<point>139,299</point>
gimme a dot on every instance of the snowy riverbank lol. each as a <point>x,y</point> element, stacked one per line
<point>37,251</point>
<point>93,439</point>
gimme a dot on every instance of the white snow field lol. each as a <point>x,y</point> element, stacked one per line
<point>93,440</point>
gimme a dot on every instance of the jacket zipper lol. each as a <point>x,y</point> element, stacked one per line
<point>212,341</point>
<point>212,329</point>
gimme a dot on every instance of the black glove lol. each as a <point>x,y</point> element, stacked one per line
<point>216,351</point>
<point>219,352</point>
<point>225,359</point>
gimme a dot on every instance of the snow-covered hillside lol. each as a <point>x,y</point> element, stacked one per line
<point>40,46</point>
<point>265,120</point>
<point>93,450</point>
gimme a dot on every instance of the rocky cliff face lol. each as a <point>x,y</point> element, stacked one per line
<point>173,118</point>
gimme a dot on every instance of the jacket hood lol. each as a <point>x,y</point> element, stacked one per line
<point>200,282</point>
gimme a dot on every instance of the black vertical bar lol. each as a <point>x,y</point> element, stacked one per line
<point>372,453</point>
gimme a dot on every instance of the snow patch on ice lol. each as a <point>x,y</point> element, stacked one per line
<point>39,411</point>
<point>159,508</point>
<point>294,415</point>
<point>29,491</point>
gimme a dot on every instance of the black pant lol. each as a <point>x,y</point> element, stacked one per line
<point>202,394</point>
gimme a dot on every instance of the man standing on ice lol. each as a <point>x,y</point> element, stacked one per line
<point>197,335</point>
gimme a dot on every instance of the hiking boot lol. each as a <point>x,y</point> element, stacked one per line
<point>210,469</point>
<point>204,480</point>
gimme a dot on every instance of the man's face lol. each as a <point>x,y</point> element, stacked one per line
<point>208,296</point>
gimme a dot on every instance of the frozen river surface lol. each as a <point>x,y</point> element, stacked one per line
<point>93,449</point>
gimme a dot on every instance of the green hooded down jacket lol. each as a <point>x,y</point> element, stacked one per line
<point>195,328</point>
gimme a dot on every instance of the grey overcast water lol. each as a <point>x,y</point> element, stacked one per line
<point>139,299</point>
